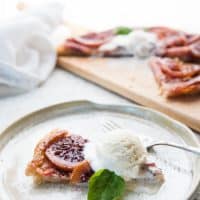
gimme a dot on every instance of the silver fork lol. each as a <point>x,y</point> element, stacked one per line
<point>110,125</point>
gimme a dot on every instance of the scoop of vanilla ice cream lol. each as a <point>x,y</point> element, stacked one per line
<point>142,43</point>
<point>119,151</point>
<point>139,43</point>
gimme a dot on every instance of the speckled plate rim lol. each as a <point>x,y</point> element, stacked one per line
<point>138,111</point>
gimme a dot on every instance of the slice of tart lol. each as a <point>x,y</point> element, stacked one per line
<point>85,45</point>
<point>176,78</point>
<point>177,44</point>
<point>58,157</point>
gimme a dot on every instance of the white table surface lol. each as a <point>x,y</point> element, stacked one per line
<point>61,86</point>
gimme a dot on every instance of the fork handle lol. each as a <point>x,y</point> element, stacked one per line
<point>194,150</point>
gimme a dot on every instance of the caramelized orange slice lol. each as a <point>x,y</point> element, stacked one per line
<point>67,152</point>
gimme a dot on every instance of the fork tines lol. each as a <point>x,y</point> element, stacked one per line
<point>110,125</point>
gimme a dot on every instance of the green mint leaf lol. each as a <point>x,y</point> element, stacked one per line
<point>106,185</point>
<point>123,30</point>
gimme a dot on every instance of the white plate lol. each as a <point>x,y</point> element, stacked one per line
<point>17,143</point>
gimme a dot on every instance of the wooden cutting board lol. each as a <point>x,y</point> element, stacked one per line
<point>134,80</point>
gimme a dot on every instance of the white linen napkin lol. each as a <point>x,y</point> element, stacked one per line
<point>27,53</point>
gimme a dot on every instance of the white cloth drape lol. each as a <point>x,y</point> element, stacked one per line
<point>27,54</point>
